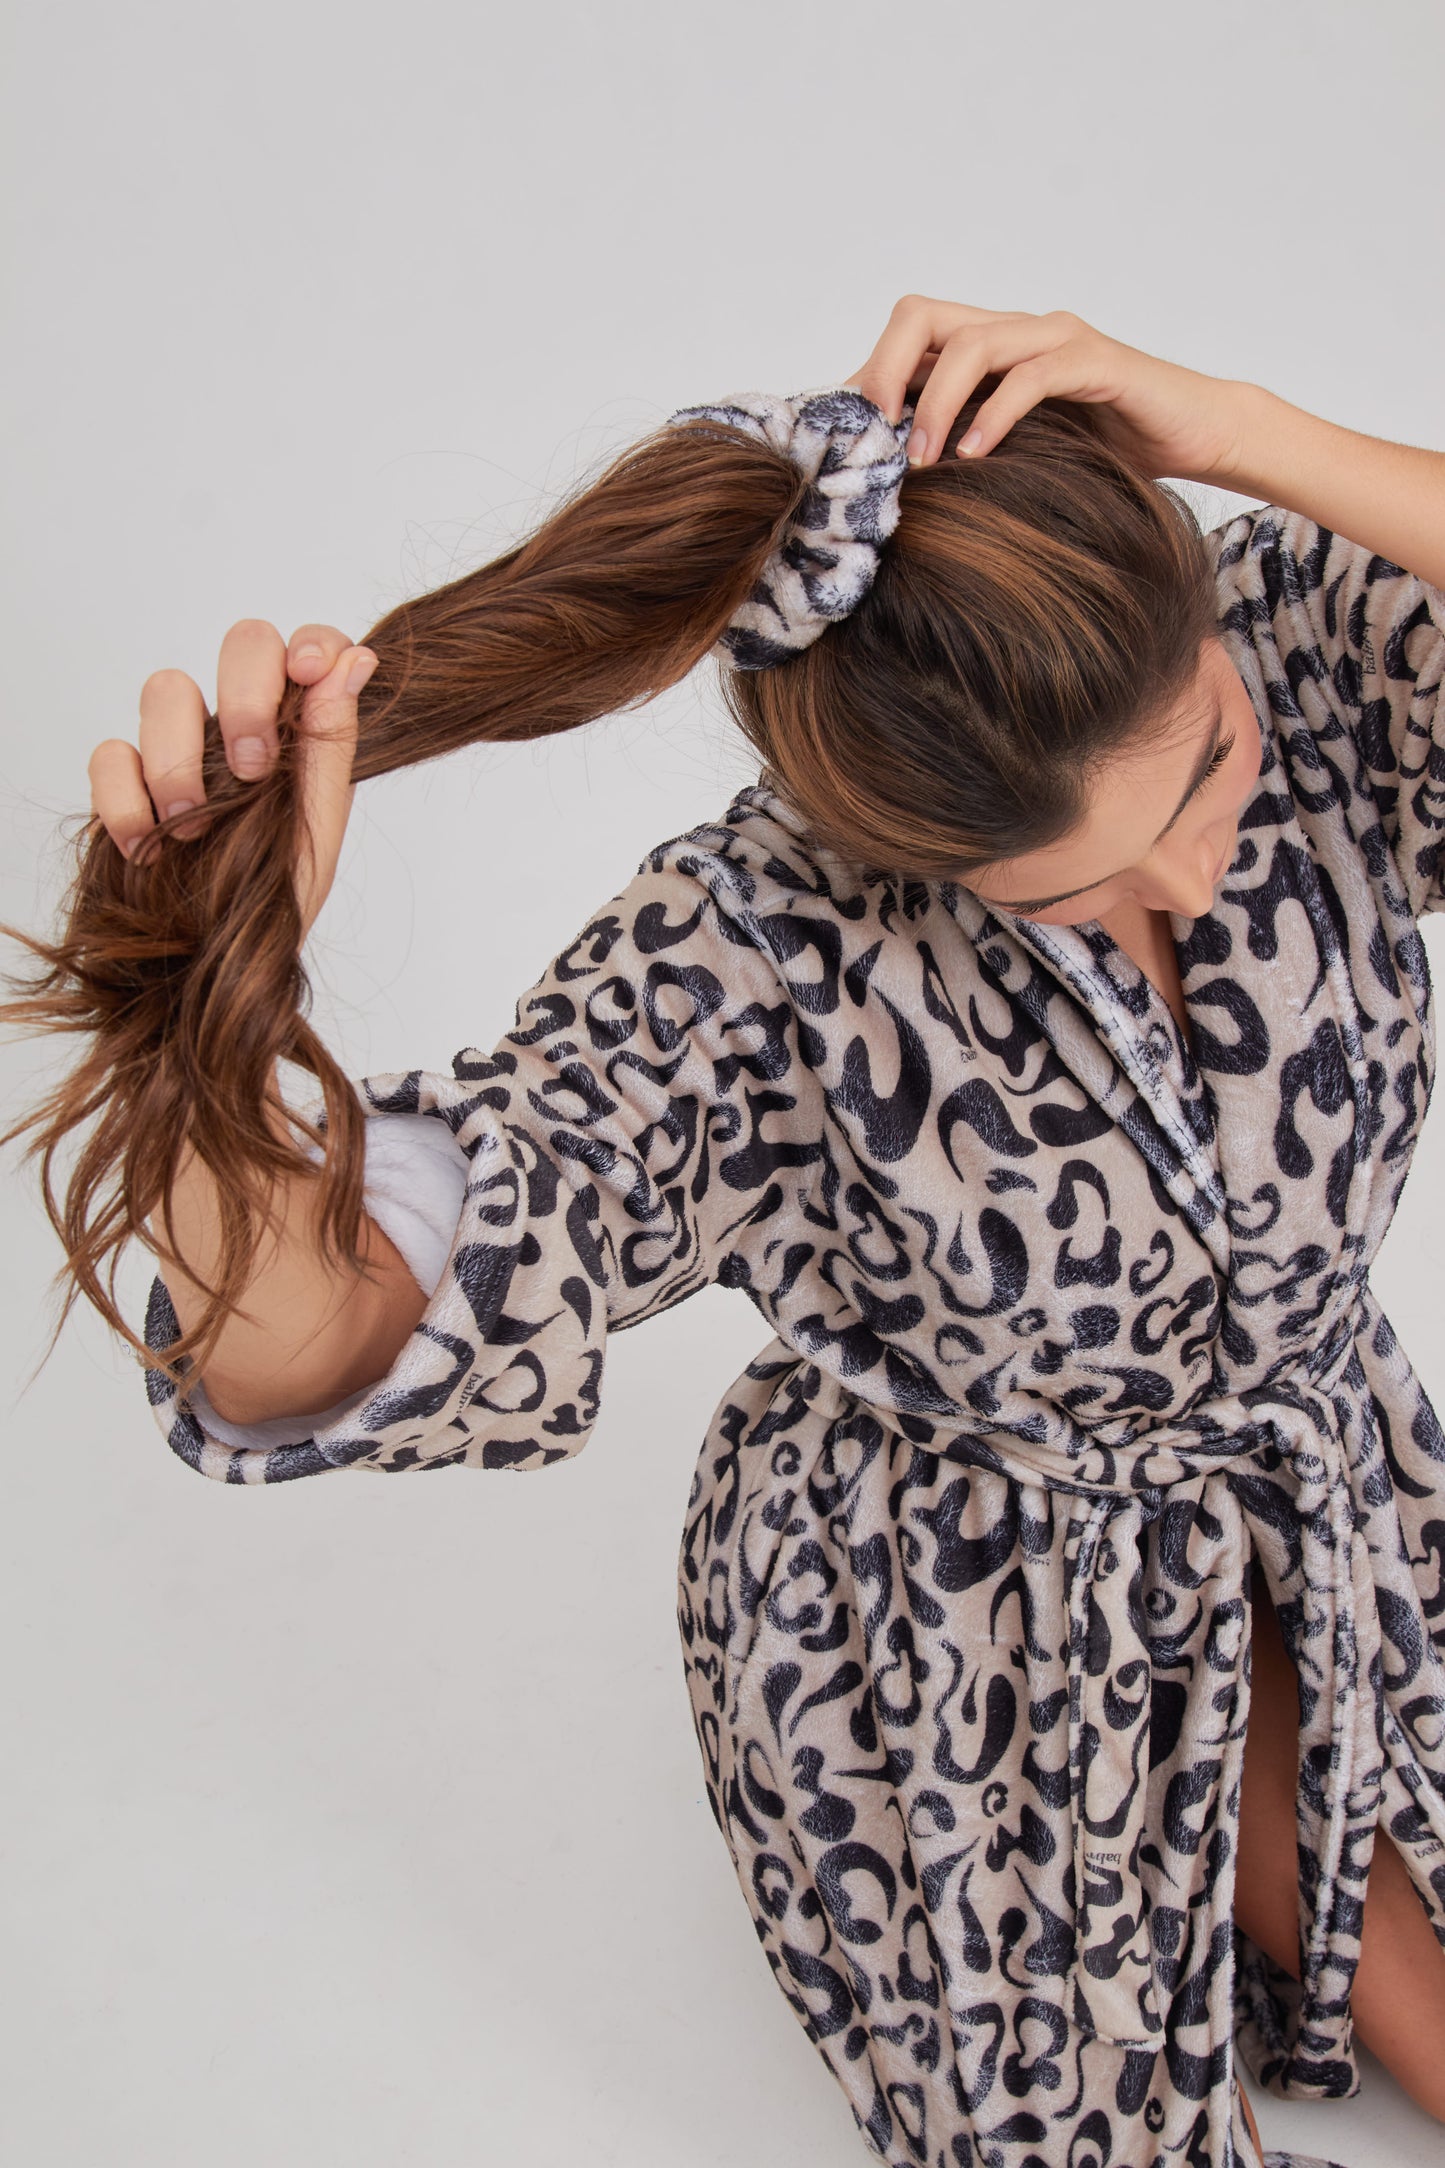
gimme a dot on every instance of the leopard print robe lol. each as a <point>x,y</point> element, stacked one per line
<point>1072,1331</point>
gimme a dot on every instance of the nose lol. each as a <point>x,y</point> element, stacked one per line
<point>1188,886</point>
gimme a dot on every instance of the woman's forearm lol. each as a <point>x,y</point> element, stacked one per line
<point>1388,497</point>
<point>310,1334</point>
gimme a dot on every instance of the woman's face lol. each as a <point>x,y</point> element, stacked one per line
<point>1160,831</point>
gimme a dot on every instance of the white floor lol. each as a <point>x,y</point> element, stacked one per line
<point>1380,2128</point>
<point>360,1821</point>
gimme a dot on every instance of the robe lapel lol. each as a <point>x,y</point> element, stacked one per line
<point>1111,1029</point>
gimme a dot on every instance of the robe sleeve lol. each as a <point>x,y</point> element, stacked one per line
<point>592,1169</point>
<point>1371,637</point>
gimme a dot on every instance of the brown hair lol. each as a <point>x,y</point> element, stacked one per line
<point>1033,612</point>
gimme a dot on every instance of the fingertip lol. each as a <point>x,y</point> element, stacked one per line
<point>360,664</point>
<point>184,831</point>
<point>250,758</point>
<point>313,651</point>
<point>131,842</point>
<point>339,671</point>
<point>887,403</point>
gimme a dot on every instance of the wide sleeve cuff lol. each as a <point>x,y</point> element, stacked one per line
<point>415,1180</point>
<point>504,1368</point>
<point>606,1160</point>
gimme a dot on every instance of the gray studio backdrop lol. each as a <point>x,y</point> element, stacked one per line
<point>362,1821</point>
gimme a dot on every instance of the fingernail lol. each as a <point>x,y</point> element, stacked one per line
<point>250,756</point>
<point>308,654</point>
<point>971,442</point>
<point>127,848</point>
<point>917,448</point>
<point>179,805</point>
<point>360,670</point>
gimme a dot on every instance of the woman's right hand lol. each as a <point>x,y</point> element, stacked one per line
<point>308,1332</point>
<point>133,786</point>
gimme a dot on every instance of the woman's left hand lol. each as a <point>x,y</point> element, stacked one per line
<point>1161,417</point>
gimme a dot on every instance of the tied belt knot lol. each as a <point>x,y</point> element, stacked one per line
<point>1113,1988</point>
<point>1109,1480</point>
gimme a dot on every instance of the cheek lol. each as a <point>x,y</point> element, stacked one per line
<point>1241,770</point>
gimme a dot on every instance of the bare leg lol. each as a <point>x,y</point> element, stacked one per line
<point>1399,1993</point>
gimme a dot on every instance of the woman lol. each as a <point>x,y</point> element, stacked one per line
<point>1041,1044</point>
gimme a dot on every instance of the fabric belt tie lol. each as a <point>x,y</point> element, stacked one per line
<point>1114,1992</point>
<point>1116,1487</point>
<point>1112,1986</point>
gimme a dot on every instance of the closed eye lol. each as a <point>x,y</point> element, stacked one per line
<point>1219,756</point>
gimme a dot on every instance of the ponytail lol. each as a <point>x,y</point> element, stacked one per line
<point>182,965</point>
<point>1035,614</point>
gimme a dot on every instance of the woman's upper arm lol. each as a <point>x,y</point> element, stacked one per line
<point>604,1151</point>
<point>1370,636</point>
<point>345,1349</point>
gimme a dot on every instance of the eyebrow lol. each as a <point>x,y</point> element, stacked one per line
<point>1044,903</point>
